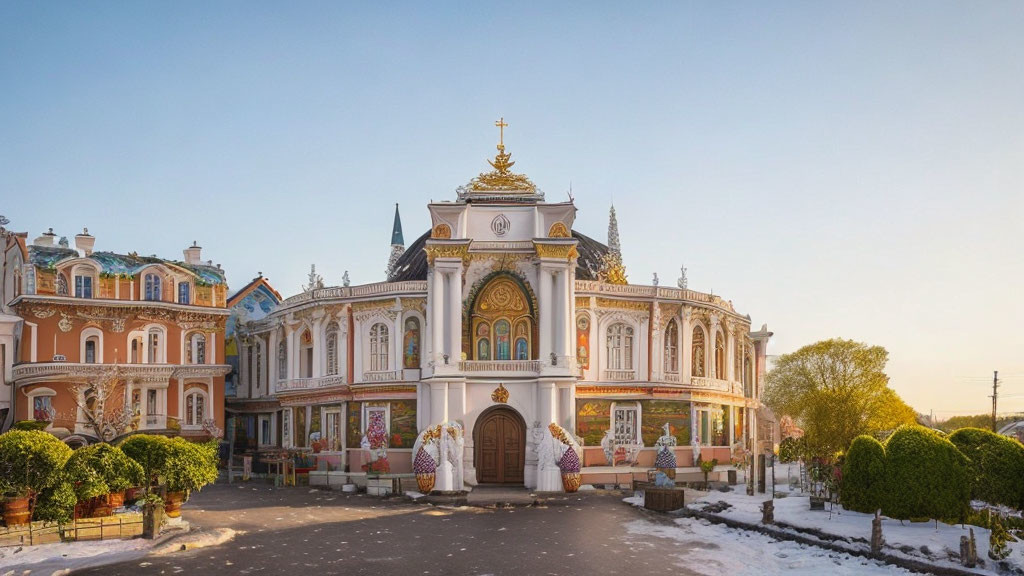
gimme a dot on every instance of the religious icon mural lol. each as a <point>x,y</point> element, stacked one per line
<point>483,343</point>
<point>411,344</point>
<point>502,346</point>
<point>583,341</point>
<point>522,348</point>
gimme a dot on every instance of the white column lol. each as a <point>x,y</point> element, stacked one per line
<point>544,278</point>
<point>290,353</point>
<point>547,403</point>
<point>686,346</point>
<point>730,353</point>
<point>455,316</point>
<point>316,370</point>
<point>438,402</point>
<point>712,348</point>
<point>396,345</point>
<point>456,400</point>
<point>437,316</point>
<point>211,349</point>
<point>271,359</point>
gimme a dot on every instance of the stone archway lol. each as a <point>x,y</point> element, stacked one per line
<point>499,440</point>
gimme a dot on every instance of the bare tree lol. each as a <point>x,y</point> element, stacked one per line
<point>104,406</point>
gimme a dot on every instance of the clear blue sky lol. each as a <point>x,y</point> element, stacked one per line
<point>849,170</point>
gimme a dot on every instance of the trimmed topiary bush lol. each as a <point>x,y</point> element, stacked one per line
<point>31,462</point>
<point>189,466</point>
<point>150,452</point>
<point>863,479</point>
<point>56,503</point>
<point>101,469</point>
<point>997,463</point>
<point>926,476</point>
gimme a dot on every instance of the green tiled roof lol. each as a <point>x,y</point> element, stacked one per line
<point>117,264</point>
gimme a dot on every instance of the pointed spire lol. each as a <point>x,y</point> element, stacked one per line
<point>613,232</point>
<point>397,246</point>
<point>683,283</point>
<point>396,231</point>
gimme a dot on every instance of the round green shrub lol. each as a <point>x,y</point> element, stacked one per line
<point>56,503</point>
<point>997,464</point>
<point>189,466</point>
<point>792,449</point>
<point>30,461</point>
<point>926,476</point>
<point>863,478</point>
<point>150,452</point>
<point>101,469</point>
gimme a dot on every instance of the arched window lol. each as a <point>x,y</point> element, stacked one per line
<point>306,354</point>
<point>378,347</point>
<point>196,352</point>
<point>697,353</point>
<point>155,346</point>
<point>719,356</point>
<point>522,341</point>
<point>483,341</point>
<point>183,293</point>
<point>152,287</point>
<point>282,361</point>
<point>135,350</point>
<point>672,347</point>
<point>62,285</point>
<point>620,347</point>
<point>91,343</point>
<point>332,348</point>
<point>411,344</point>
<point>195,407</point>
<point>502,340</point>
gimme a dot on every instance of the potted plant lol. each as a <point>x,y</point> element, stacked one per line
<point>189,466</point>
<point>150,452</point>
<point>707,467</point>
<point>32,462</point>
<point>100,474</point>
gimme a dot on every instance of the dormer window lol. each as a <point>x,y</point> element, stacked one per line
<point>183,293</point>
<point>83,286</point>
<point>152,282</point>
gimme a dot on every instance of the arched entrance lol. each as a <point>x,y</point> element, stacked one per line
<point>500,440</point>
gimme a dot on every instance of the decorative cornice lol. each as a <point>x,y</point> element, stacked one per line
<point>460,251</point>
<point>562,251</point>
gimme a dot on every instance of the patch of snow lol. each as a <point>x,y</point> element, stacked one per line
<point>637,499</point>
<point>47,558</point>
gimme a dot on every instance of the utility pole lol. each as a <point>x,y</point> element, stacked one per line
<point>995,394</point>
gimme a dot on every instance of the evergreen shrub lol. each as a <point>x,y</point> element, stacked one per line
<point>926,476</point>
<point>863,478</point>
<point>997,465</point>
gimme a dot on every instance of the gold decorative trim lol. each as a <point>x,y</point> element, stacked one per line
<point>622,304</point>
<point>561,251</point>
<point>442,231</point>
<point>558,230</point>
<point>447,251</point>
<point>582,302</point>
<point>371,305</point>
<point>500,394</point>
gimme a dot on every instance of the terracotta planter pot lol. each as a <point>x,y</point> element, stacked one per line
<point>115,499</point>
<point>172,504</point>
<point>571,482</point>
<point>425,482</point>
<point>16,511</point>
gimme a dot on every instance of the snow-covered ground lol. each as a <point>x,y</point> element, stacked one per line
<point>712,549</point>
<point>923,541</point>
<point>53,558</point>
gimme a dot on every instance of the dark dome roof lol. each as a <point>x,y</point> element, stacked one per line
<point>412,265</point>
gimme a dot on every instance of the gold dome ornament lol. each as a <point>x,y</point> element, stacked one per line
<point>501,180</point>
<point>500,394</point>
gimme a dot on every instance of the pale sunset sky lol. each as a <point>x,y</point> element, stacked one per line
<point>845,170</point>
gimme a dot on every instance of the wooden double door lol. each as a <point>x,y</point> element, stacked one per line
<point>500,447</point>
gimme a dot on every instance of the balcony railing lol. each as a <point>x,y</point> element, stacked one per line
<point>673,377</point>
<point>502,366</point>
<point>155,421</point>
<point>310,383</point>
<point>619,375</point>
<point>380,376</point>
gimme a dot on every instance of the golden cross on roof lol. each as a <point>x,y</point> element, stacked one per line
<point>501,132</point>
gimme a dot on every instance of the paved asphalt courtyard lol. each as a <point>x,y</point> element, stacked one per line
<point>304,531</point>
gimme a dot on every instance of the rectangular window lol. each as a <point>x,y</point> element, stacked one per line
<point>90,351</point>
<point>332,429</point>
<point>264,439</point>
<point>626,425</point>
<point>183,293</point>
<point>42,408</point>
<point>151,402</point>
<point>83,286</point>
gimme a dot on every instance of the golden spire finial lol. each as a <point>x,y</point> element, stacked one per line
<point>501,124</point>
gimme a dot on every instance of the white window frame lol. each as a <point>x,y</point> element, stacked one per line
<point>39,392</point>
<point>162,344</point>
<point>671,344</point>
<point>192,351</point>
<point>380,344</point>
<point>617,345</point>
<point>625,407</point>
<point>260,419</point>
<point>339,412</point>
<point>365,420</point>
<point>206,408</point>
<point>332,343</point>
<point>84,336</point>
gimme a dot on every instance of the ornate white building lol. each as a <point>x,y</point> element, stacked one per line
<point>504,319</point>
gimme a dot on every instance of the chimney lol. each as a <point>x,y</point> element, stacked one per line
<point>46,239</point>
<point>192,253</point>
<point>84,242</point>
